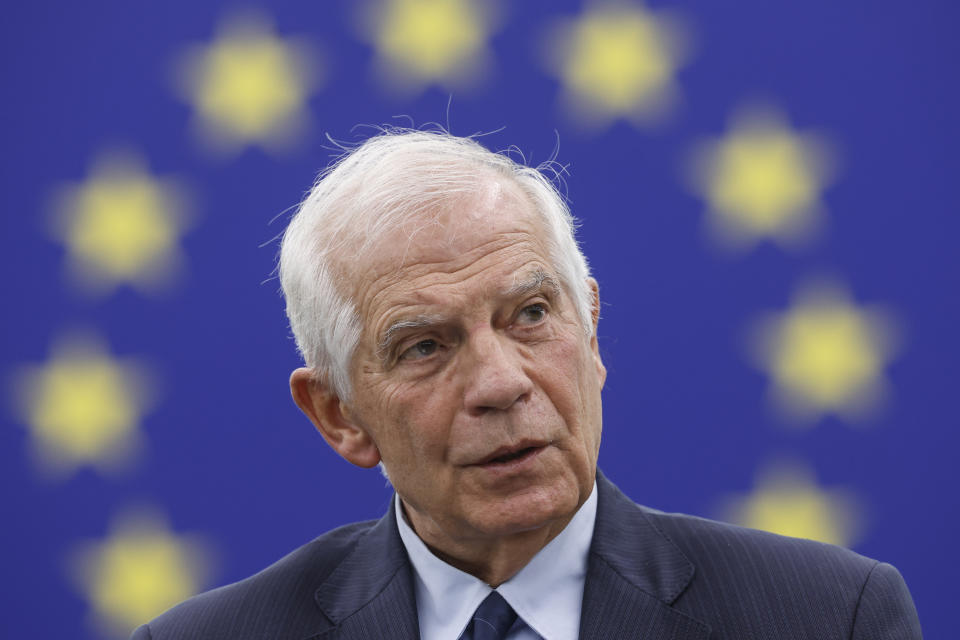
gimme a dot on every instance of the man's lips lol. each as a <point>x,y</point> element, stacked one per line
<point>510,453</point>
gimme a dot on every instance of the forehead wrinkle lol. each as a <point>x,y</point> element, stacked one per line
<point>447,270</point>
<point>385,275</point>
<point>441,270</point>
<point>450,260</point>
<point>537,278</point>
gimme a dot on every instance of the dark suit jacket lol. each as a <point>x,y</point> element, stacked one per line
<point>650,575</point>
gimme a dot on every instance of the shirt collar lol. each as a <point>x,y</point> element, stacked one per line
<point>546,594</point>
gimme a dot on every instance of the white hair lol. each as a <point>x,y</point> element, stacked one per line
<point>384,183</point>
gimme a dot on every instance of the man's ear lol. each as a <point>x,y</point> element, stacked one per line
<point>595,318</point>
<point>330,417</point>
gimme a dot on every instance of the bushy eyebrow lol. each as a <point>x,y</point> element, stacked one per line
<point>536,281</point>
<point>390,335</point>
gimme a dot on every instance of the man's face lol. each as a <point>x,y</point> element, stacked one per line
<point>473,375</point>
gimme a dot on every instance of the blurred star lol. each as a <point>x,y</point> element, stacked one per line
<point>787,501</point>
<point>121,225</point>
<point>825,354</point>
<point>762,180</point>
<point>617,60</point>
<point>249,86</point>
<point>422,42</point>
<point>138,571</point>
<point>83,407</point>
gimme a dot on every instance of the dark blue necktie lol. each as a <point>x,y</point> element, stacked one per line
<point>492,619</point>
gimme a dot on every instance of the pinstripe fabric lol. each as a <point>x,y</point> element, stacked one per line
<point>354,582</point>
<point>878,614</point>
<point>651,575</point>
<point>740,583</point>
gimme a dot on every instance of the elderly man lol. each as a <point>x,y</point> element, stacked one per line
<point>448,323</point>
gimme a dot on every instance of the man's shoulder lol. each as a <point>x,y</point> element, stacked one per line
<point>281,596</point>
<point>743,577</point>
<point>746,583</point>
<point>717,547</point>
<point>700,538</point>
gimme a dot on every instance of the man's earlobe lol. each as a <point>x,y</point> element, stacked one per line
<point>330,417</point>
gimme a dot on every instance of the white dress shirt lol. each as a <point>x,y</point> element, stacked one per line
<point>546,594</point>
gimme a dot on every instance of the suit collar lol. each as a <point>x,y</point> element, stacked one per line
<point>625,538</point>
<point>370,594</point>
<point>635,574</point>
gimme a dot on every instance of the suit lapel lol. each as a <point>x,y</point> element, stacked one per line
<point>634,575</point>
<point>370,594</point>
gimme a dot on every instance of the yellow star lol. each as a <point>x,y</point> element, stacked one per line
<point>825,354</point>
<point>249,87</point>
<point>788,501</point>
<point>419,42</point>
<point>138,571</point>
<point>121,225</point>
<point>83,407</point>
<point>616,60</point>
<point>762,180</point>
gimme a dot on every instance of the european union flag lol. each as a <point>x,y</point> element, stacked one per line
<point>767,194</point>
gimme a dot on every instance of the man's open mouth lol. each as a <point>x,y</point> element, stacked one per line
<point>511,455</point>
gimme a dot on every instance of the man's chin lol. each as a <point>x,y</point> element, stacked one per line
<point>526,512</point>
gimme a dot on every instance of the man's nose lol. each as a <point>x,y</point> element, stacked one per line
<point>495,379</point>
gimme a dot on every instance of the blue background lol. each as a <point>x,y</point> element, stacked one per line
<point>229,456</point>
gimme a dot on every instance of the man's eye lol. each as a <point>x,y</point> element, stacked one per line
<point>422,349</point>
<point>533,313</point>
